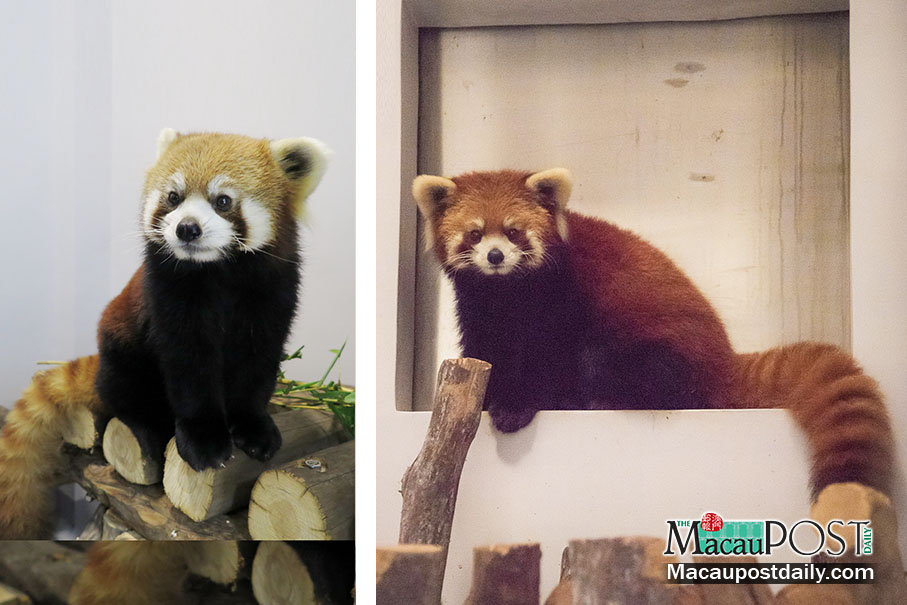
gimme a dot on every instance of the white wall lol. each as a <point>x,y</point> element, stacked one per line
<point>87,87</point>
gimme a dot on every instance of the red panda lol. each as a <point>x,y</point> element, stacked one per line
<point>576,313</point>
<point>191,346</point>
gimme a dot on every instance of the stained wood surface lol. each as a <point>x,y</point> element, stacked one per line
<point>505,574</point>
<point>409,573</point>
<point>734,162</point>
<point>298,502</point>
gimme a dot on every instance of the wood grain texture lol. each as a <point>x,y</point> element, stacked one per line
<point>506,574</point>
<point>45,570</point>
<point>409,573</point>
<point>279,576</point>
<point>473,13</point>
<point>205,494</point>
<point>297,502</point>
<point>725,144</point>
<point>430,484</point>
<point>123,452</point>
<point>149,511</point>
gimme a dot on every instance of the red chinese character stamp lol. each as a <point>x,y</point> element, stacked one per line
<point>711,522</point>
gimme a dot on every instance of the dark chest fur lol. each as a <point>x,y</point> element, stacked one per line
<point>551,347</point>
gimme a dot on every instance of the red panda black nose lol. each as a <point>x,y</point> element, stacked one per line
<point>495,256</point>
<point>188,230</point>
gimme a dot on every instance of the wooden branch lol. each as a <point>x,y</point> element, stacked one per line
<point>122,450</point>
<point>430,484</point>
<point>148,511</point>
<point>297,502</point>
<point>45,570</point>
<point>202,495</point>
<point>505,574</point>
<point>279,576</point>
<point>409,573</point>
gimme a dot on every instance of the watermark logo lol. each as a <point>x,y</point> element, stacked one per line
<point>712,535</point>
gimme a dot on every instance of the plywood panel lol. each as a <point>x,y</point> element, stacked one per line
<point>724,143</point>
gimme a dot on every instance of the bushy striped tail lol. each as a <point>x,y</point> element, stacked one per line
<point>30,443</point>
<point>838,406</point>
<point>138,573</point>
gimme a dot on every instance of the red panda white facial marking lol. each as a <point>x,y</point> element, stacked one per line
<point>494,223</point>
<point>211,196</point>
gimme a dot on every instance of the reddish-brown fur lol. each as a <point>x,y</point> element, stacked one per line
<point>30,443</point>
<point>632,292</point>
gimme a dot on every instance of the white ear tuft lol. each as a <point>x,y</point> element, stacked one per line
<point>553,188</point>
<point>167,136</point>
<point>304,161</point>
<point>432,193</point>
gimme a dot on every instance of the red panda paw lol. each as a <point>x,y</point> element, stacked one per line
<point>509,420</point>
<point>203,442</point>
<point>257,436</point>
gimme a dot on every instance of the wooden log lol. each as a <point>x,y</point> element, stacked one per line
<point>11,596</point>
<point>430,484</point>
<point>279,576</point>
<point>409,573</point>
<point>147,510</point>
<point>298,502</point>
<point>83,428</point>
<point>506,574</point>
<point>113,526</point>
<point>618,570</point>
<point>45,570</point>
<point>218,560</point>
<point>854,501</point>
<point>202,495</point>
<point>122,450</point>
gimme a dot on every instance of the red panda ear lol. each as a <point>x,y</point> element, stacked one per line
<point>303,161</point>
<point>432,193</point>
<point>164,140</point>
<point>553,188</point>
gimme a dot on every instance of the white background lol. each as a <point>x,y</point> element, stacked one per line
<point>87,86</point>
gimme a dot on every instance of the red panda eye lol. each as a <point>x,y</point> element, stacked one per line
<point>173,198</point>
<point>512,234</point>
<point>474,237</point>
<point>223,202</point>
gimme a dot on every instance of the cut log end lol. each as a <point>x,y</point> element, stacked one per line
<point>205,494</point>
<point>409,573</point>
<point>82,428</point>
<point>296,502</point>
<point>189,490</point>
<point>279,576</point>
<point>123,452</point>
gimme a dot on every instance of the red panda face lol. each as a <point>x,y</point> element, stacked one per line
<point>210,196</point>
<point>495,223</point>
